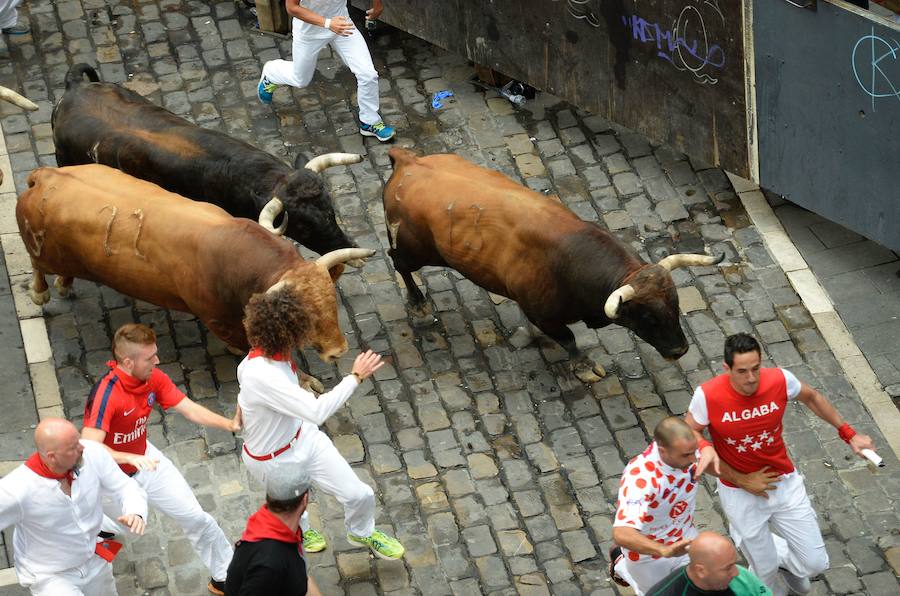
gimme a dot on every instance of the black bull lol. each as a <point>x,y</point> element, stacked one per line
<point>103,123</point>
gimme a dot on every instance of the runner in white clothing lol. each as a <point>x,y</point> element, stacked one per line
<point>315,24</point>
<point>654,522</point>
<point>281,420</point>
<point>54,501</point>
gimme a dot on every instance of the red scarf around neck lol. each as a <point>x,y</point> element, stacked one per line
<point>279,357</point>
<point>265,525</point>
<point>37,465</point>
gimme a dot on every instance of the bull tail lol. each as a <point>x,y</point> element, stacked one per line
<point>78,71</point>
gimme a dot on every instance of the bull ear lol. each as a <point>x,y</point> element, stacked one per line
<point>336,271</point>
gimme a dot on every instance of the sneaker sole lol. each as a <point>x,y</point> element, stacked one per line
<point>261,100</point>
<point>375,552</point>
<point>316,550</point>
<point>366,133</point>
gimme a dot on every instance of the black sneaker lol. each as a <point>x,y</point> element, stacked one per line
<point>615,553</point>
<point>216,587</point>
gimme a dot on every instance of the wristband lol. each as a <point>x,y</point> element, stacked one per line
<point>327,24</point>
<point>703,444</point>
<point>846,432</point>
<point>358,378</point>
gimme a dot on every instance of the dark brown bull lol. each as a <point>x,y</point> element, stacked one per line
<point>443,210</point>
<point>98,122</point>
<point>99,224</point>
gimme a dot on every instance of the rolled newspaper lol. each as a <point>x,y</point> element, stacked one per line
<point>872,457</point>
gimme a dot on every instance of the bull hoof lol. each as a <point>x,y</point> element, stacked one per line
<point>61,289</point>
<point>312,384</point>
<point>39,298</point>
<point>588,372</point>
<point>497,298</point>
<point>420,311</point>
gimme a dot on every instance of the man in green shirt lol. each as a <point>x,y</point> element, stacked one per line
<point>713,570</point>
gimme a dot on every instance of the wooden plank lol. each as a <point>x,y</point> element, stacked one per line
<point>673,71</point>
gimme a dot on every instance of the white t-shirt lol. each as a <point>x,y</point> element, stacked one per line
<point>698,402</point>
<point>274,404</point>
<point>657,500</point>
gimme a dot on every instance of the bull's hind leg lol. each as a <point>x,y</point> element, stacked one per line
<point>405,268</point>
<point>63,285</point>
<point>38,290</point>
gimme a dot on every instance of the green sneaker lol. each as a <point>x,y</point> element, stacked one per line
<point>313,541</point>
<point>381,545</point>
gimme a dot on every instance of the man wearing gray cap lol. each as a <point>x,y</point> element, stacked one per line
<point>268,559</point>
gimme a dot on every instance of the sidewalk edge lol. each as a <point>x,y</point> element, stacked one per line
<point>839,339</point>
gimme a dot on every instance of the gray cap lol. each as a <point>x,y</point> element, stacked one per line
<point>287,482</point>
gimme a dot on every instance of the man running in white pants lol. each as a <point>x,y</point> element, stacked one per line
<point>116,415</point>
<point>281,419</point>
<point>315,24</point>
<point>654,522</point>
<point>54,500</point>
<point>758,484</point>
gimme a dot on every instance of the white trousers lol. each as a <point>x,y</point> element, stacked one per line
<point>169,493</point>
<point>352,50</point>
<point>788,510</point>
<point>329,472</point>
<point>94,578</point>
<point>643,575</point>
<point>9,16</point>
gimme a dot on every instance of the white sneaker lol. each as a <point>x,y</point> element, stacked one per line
<point>798,585</point>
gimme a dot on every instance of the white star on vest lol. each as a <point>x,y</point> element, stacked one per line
<point>747,440</point>
<point>756,446</point>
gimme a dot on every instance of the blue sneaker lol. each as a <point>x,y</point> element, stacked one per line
<point>265,89</point>
<point>379,130</point>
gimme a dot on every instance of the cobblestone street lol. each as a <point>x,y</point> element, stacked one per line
<point>491,462</point>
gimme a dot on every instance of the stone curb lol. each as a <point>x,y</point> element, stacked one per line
<point>38,353</point>
<point>857,369</point>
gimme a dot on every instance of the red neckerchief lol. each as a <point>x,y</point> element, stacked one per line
<point>264,525</point>
<point>257,353</point>
<point>37,465</point>
<point>132,384</point>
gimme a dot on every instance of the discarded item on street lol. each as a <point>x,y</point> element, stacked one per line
<point>436,99</point>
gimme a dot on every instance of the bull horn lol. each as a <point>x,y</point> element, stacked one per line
<point>16,99</point>
<point>269,213</point>
<point>277,286</point>
<point>615,300</point>
<point>317,164</point>
<point>343,255</point>
<point>673,262</point>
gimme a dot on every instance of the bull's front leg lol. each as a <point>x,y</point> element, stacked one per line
<point>582,366</point>
<point>414,295</point>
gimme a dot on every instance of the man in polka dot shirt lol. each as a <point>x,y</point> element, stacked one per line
<point>654,522</point>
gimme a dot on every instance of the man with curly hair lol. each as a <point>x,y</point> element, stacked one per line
<point>282,418</point>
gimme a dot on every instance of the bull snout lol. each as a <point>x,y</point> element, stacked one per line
<point>332,353</point>
<point>676,353</point>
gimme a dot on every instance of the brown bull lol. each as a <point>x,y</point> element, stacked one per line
<point>444,210</point>
<point>157,246</point>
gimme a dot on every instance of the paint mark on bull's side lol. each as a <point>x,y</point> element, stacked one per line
<point>873,77</point>
<point>393,228</point>
<point>476,220</point>
<point>93,151</point>
<point>37,238</point>
<point>139,214</point>
<point>107,249</point>
<point>450,218</point>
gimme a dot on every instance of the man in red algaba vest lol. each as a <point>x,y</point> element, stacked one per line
<point>758,485</point>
